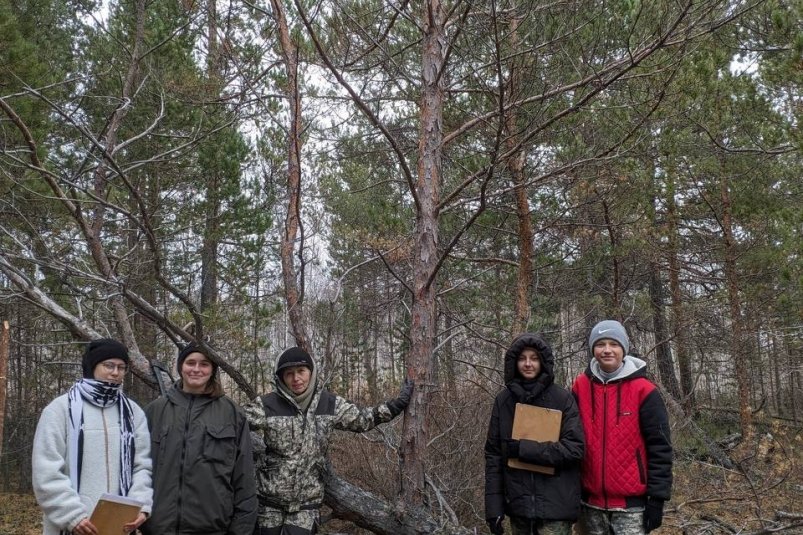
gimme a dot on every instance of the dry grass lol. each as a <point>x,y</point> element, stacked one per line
<point>19,515</point>
<point>763,494</point>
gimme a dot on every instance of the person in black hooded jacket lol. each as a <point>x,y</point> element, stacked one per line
<point>536,503</point>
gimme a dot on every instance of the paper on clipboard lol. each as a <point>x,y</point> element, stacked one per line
<point>537,424</point>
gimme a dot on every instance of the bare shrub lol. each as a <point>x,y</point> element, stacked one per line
<point>456,463</point>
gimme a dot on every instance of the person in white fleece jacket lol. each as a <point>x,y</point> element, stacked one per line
<point>90,441</point>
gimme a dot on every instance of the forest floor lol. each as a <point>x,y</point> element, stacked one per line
<point>19,515</point>
<point>761,495</point>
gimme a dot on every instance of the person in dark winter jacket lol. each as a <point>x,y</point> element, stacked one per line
<point>627,469</point>
<point>294,423</point>
<point>203,468</point>
<point>536,503</point>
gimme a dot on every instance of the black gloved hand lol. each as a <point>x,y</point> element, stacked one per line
<point>512,448</point>
<point>400,403</point>
<point>495,525</point>
<point>653,514</point>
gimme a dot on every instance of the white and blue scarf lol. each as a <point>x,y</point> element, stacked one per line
<point>101,394</point>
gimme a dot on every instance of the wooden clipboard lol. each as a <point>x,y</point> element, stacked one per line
<point>537,424</point>
<point>112,512</point>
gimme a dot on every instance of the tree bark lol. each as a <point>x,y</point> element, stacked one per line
<point>293,278</point>
<point>679,320</point>
<point>93,236</point>
<point>83,331</point>
<point>415,431</point>
<point>77,327</point>
<point>211,238</point>
<point>4,335</point>
<point>371,512</point>
<point>524,278</point>
<point>209,250</point>
<point>613,237</point>
<point>734,302</point>
<point>794,377</point>
<point>663,351</point>
<point>515,163</point>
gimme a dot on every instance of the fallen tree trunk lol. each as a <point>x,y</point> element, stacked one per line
<point>372,512</point>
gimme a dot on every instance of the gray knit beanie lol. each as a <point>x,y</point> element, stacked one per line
<point>610,329</point>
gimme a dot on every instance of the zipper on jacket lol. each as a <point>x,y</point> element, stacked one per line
<point>604,442</point>
<point>181,465</point>
<point>106,447</point>
<point>641,472</point>
<point>301,440</point>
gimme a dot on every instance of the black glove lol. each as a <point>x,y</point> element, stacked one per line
<point>653,514</point>
<point>512,448</point>
<point>495,525</point>
<point>400,403</point>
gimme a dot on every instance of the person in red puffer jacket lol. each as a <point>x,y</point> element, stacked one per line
<point>627,467</point>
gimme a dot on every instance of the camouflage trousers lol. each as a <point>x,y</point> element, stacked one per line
<point>606,522</point>
<point>278,522</point>
<point>525,526</point>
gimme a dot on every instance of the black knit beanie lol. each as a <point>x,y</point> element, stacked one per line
<point>185,351</point>
<point>294,356</point>
<point>99,350</point>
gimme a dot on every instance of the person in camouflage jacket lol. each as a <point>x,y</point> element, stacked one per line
<point>290,429</point>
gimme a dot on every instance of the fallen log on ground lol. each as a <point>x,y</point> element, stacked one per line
<point>374,513</point>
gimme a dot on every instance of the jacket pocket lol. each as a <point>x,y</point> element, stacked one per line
<point>159,444</point>
<point>220,444</point>
<point>642,475</point>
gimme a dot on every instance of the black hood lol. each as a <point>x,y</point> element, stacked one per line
<point>537,342</point>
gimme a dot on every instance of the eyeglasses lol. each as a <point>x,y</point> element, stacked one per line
<point>111,368</point>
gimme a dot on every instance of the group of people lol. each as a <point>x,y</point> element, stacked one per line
<point>612,460</point>
<point>200,464</point>
<point>189,457</point>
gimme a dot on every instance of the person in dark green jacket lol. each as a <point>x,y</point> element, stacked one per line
<point>203,468</point>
